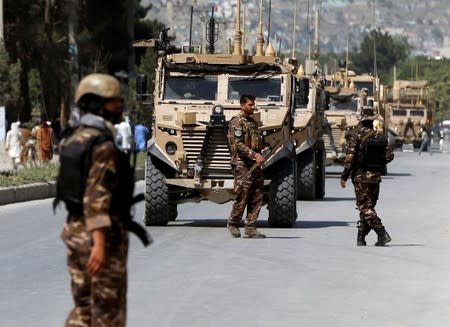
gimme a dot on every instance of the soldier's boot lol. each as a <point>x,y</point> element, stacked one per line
<point>234,231</point>
<point>383,236</point>
<point>252,232</point>
<point>363,230</point>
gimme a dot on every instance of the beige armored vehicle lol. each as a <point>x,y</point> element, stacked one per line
<point>408,106</point>
<point>308,131</point>
<point>348,93</point>
<point>195,96</point>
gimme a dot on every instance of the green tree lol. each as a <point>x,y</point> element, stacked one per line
<point>389,51</point>
<point>38,34</point>
<point>9,83</point>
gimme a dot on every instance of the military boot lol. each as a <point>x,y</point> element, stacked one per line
<point>234,231</point>
<point>363,230</point>
<point>252,232</point>
<point>383,236</point>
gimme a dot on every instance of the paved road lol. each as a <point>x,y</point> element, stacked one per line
<point>310,275</point>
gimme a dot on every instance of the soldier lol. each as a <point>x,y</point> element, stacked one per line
<point>367,154</point>
<point>245,146</point>
<point>96,184</point>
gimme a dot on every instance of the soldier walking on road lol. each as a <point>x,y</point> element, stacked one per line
<point>367,154</point>
<point>96,184</point>
<point>246,146</point>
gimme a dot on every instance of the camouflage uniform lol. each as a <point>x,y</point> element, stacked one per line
<point>245,143</point>
<point>366,182</point>
<point>100,299</point>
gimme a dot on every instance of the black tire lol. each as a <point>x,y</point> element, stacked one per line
<point>320,173</point>
<point>306,175</point>
<point>158,209</point>
<point>283,195</point>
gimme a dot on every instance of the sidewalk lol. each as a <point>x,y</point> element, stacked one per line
<point>39,191</point>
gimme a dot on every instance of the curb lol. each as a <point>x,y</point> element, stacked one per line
<point>39,191</point>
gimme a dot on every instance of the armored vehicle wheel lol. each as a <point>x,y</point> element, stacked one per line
<point>158,209</point>
<point>306,175</point>
<point>283,195</point>
<point>320,173</point>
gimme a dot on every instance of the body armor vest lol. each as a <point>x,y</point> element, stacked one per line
<point>76,160</point>
<point>372,152</point>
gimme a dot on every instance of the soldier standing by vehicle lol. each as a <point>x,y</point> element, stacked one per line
<point>96,184</point>
<point>367,154</point>
<point>246,146</point>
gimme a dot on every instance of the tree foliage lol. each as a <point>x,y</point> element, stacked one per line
<point>389,51</point>
<point>37,35</point>
<point>9,81</point>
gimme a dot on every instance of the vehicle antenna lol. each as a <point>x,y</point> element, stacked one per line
<point>293,32</point>
<point>238,32</point>
<point>260,37</point>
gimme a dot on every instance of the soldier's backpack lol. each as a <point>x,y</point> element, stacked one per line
<point>373,151</point>
<point>75,159</point>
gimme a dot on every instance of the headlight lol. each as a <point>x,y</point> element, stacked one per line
<point>171,148</point>
<point>218,109</point>
<point>172,132</point>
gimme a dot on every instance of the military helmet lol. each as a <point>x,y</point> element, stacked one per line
<point>101,85</point>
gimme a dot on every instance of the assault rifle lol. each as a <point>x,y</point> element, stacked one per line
<point>265,155</point>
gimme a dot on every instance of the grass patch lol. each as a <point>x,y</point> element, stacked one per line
<point>42,174</point>
<point>46,173</point>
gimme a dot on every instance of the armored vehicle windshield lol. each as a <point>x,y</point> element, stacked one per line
<point>190,88</point>
<point>264,89</point>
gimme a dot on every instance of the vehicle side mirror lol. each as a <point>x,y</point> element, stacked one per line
<point>301,92</point>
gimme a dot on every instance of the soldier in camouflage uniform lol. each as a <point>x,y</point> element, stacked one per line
<point>246,146</point>
<point>366,181</point>
<point>96,240</point>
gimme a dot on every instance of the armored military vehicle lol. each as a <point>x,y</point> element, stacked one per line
<point>195,96</point>
<point>408,106</point>
<point>308,131</point>
<point>348,93</point>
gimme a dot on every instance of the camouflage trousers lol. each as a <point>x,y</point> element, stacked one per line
<point>366,199</point>
<point>249,194</point>
<point>100,300</point>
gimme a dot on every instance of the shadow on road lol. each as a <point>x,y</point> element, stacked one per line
<point>331,198</point>
<point>408,244</point>
<point>397,175</point>
<point>222,223</point>
<point>321,224</point>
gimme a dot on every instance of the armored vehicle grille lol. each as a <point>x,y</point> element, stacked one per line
<point>216,163</point>
<point>337,134</point>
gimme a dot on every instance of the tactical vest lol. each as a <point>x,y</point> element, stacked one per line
<point>372,151</point>
<point>75,162</point>
<point>250,134</point>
